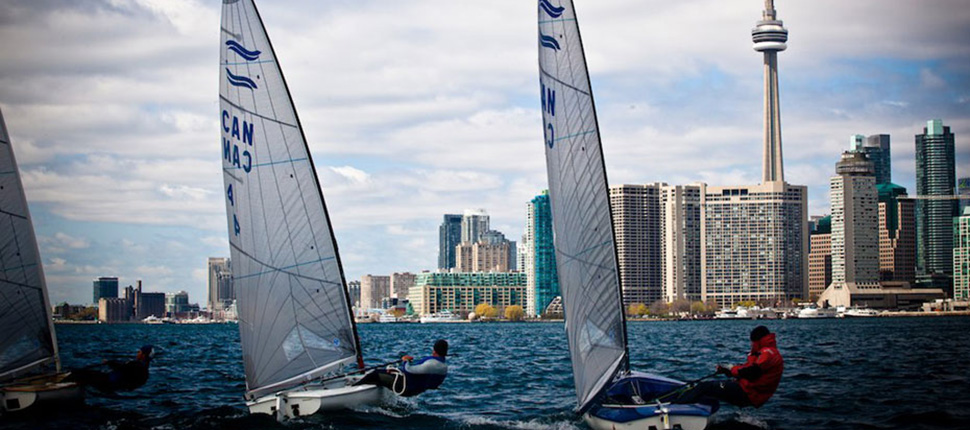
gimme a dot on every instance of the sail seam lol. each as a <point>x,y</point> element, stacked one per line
<point>12,214</point>
<point>254,113</point>
<point>561,82</point>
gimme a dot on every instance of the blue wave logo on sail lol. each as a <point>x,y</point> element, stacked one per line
<point>240,81</point>
<point>242,51</point>
<point>548,42</point>
<point>551,10</point>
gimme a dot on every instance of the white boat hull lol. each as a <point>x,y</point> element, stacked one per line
<point>660,421</point>
<point>38,393</point>
<point>311,399</point>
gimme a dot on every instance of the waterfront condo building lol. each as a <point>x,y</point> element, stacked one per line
<point>222,294</point>
<point>374,289</point>
<point>449,236</point>
<point>897,234</point>
<point>539,256</point>
<point>935,176</point>
<point>482,257</point>
<point>353,289</point>
<point>637,225</point>
<point>681,242</point>
<point>105,287</point>
<point>754,243</point>
<point>855,221</point>
<point>961,257</point>
<point>820,257</point>
<point>461,292</point>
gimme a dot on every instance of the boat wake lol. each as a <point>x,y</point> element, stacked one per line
<point>556,422</point>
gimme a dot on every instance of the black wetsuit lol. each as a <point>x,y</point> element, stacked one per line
<point>726,391</point>
<point>122,377</point>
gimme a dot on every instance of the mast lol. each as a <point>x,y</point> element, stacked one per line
<point>326,213</point>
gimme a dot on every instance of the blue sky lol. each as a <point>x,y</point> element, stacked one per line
<point>419,108</point>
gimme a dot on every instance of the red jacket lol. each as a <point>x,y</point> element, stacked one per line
<point>760,375</point>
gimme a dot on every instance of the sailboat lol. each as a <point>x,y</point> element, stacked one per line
<point>30,367</point>
<point>295,318</point>
<point>609,394</point>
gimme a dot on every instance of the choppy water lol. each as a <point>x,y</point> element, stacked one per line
<point>885,373</point>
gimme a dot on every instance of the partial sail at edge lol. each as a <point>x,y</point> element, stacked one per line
<point>27,340</point>
<point>294,314</point>
<point>579,197</point>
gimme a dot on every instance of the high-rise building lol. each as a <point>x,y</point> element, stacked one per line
<point>876,149</point>
<point>482,257</point>
<point>461,292</point>
<point>474,223</point>
<point>935,176</point>
<point>449,236</point>
<point>374,289</point>
<point>105,287</point>
<point>820,257</point>
<point>494,237</point>
<point>961,256</point>
<point>855,221</point>
<point>221,291</point>
<point>401,284</point>
<point>897,234</point>
<point>539,260</point>
<point>963,190</point>
<point>177,303</point>
<point>769,37</point>
<point>637,226</point>
<point>353,289</point>
<point>754,243</point>
<point>681,242</point>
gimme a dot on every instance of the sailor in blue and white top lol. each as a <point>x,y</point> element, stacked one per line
<point>413,377</point>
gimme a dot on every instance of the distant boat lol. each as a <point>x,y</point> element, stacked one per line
<point>295,320</point>
<point>443,316</point>
<point>30,366</point>
<point>609,394</point>
<point>812,312</point>
<point>387,317</point>
<point>860,313</point>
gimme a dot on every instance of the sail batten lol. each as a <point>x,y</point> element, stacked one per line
<point>295,313</point>
<point>579,198</point>
<point>27,341</point>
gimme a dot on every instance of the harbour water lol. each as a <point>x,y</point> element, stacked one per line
<point>881,373</point>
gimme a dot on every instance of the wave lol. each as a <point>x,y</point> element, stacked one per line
<point>548,41</point>
<point>551,10</point>
<point>240,81</point>
<point>242,51</point>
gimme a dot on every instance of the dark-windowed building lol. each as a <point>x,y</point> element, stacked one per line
<point>105,287</point>
<point>935,176</point>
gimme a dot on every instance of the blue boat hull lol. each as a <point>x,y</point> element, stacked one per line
<point>630,404</point>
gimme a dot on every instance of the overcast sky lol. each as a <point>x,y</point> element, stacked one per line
<point>418,108</point>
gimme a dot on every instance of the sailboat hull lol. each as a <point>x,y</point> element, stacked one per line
<point>311,399</point>
<point>631,405</point>
<point>39,393</point>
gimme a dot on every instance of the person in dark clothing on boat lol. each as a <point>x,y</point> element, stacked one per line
<point>413,377</point>
<point>752,383</point>
<point>123,376</point>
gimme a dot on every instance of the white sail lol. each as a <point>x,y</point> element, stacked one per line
<point>295,319</point>
<point>579,197</point>
<point>27,340</point>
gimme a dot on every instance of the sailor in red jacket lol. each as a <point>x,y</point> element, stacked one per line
<point>753,383</point>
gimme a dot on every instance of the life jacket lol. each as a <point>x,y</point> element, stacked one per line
<point>423,374</point>
<point>760,384</point>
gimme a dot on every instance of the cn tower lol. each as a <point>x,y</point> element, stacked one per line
<point>769,37</point>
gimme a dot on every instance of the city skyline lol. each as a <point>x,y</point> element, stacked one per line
<point>116,133</point>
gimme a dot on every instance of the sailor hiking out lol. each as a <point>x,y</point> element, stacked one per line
<point>751,383</point>
<point>123,376</point>
<point>412,377</point>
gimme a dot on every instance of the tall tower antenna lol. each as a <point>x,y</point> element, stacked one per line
<point>769,37</point>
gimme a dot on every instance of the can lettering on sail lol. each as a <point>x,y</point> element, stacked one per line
<point>235,134</point>
<point>548,107</point>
